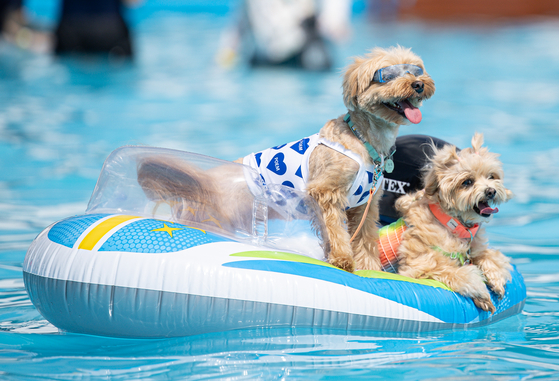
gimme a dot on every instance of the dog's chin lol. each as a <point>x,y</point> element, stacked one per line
<point>392,112</point>
<point>470,218</point>
<point>405,111</point>
<point>477,214</point>
<point>483,209</point>
<point>471,215</point>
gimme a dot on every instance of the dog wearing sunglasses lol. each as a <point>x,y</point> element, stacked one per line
<point>341,166</point>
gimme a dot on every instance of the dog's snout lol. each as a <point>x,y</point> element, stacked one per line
<point>490,193</point>
<point>418,86</point>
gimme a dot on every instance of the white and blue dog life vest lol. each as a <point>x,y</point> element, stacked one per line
<point>288,165</point>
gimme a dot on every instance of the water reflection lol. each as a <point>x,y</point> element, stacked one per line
<point>59,120</point>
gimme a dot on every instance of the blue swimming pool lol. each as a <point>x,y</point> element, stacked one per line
<point>60,118</point>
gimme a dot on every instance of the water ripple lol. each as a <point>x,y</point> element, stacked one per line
<point>59,119</point>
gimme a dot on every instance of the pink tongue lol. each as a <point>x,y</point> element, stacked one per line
<point>412,113</point>
<point>488,210</point>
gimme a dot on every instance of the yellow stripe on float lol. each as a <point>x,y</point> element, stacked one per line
<point>98,232</point>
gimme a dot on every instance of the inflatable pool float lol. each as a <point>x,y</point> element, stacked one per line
<point>126,268</point>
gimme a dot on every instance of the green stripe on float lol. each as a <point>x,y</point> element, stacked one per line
<point>362,273</point>
<point>283,256</point>
<point>398,277</point>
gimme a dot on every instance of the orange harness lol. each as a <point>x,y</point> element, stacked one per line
<point>390,237</point>
<point>452,224</point>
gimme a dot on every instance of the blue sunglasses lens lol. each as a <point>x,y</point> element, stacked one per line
<point>387,74</point>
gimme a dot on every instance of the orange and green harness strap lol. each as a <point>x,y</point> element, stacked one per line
<point>390,237</point>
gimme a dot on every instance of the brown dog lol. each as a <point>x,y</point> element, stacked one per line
<point>443,220</point>
<point>377,107</point>
<point>342,165</point>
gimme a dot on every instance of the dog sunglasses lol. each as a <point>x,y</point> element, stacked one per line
<point>387,74</point>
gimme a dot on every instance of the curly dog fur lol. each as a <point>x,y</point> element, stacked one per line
<point>464,184</point>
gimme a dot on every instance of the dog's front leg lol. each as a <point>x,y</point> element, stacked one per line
<point>365,243</point>
<point>466,280</point>
<point>494,265</point>
<point>339,253</point>
<point>330,177</point>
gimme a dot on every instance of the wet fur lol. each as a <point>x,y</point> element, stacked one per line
<point>331,173</point>
<point>443,179</point>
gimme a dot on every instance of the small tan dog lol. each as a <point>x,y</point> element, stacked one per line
<point>380,97</point>
<point>443,220</point>
<point>342,165</point>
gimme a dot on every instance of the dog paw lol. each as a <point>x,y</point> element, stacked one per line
<point>484,302</point>
<point>469,282</point>
<point>343,263</point>
<point>497,281</point>
<point>496,269</point>
<point>498,286</point>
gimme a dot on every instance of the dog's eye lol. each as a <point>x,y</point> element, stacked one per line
<point>491,176</point>
<point>467,183</point>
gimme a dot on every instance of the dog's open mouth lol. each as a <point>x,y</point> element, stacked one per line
<point>406,109</point>
<point>484,210</point>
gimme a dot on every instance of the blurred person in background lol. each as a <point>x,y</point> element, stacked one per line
<point>93,26</point>
<point>293,33</point>
<point>15,28</point>
<point>8,9</point>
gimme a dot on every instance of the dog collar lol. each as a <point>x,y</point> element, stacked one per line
<point>456,227</point>
<point>388,164</point>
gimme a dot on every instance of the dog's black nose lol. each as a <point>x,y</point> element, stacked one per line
<point>418,86</point>
<point>490,193</point>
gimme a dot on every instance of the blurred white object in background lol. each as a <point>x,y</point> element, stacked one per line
<point>286,33</point>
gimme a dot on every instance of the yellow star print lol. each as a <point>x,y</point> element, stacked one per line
<point>167,229</point>
<point>214,220</point>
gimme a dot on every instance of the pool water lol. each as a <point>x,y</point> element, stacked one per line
<point>60,118</point>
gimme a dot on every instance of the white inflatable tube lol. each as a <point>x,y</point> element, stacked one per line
<point>124,270</point>
<point>119,275</point>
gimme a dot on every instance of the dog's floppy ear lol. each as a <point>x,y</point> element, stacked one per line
<point>351,84</point>
<point>430,180</point>
<point>447,156</point>
<point>443,158</point>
